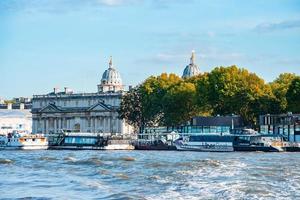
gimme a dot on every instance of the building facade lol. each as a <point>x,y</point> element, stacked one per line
<point>15,120</point>
<point>82,112</point>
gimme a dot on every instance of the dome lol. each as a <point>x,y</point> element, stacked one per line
<point>191,69</point>
<point>111,79</point>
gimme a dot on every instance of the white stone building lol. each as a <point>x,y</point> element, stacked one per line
<point>83,112</point>
<point>15,120</point>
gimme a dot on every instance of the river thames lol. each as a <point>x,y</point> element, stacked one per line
<point>148,175</point>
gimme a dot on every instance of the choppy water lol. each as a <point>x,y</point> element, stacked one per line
<point>148,175</point>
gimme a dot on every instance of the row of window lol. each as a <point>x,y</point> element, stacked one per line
<point>80,140</point>
<point>280,129</point>
<point>70,103</point>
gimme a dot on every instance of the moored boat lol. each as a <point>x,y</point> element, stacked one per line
<point>265,143</point>
<point>88,141</point>
<point>205,142</point>
<point>155,141</point>
<point>23,142</point>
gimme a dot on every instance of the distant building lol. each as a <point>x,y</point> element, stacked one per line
<point>287,125</point>
<point>82,112</point>
<point>15,120</point>
<point>191,69</point>
<point>16,103</point>
<point>201,124</point>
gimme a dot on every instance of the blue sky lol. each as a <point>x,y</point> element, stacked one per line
<point>58,43</point>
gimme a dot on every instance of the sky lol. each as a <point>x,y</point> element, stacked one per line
<point>67,43</point>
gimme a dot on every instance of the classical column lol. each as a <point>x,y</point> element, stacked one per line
<point>54,121</point>
<point>101,123</point>
<point>96,124</point>
<point>104,124</point>
<point>47,125</point>
<point>34,125</point>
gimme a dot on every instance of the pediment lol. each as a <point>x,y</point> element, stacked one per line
<point>50,108</point>
<point>99,107</point>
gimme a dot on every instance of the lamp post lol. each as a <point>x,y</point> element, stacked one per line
<point>232,122</point>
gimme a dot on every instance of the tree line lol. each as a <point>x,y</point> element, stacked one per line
<point>168,100</point>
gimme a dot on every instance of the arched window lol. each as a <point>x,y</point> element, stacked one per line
<point>77,127</point>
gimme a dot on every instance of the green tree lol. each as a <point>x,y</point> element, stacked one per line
<point>235,90</point>
<point>280,87</point>
<point>293,96</point>
<point>179,104</point>
<point>153,91</point>
<point>131,108</point>
<point>201,82</point>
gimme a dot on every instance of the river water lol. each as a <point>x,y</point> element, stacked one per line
<point>148,175</point>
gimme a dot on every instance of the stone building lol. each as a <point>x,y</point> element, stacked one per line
<point>191,69</point>
<point>82,112</point>
<point>15,119</point>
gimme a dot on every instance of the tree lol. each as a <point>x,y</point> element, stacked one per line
<point>280,87</point>
<point>153,91</point>
<point>179,104</point>
<point>293,96</point>
<point>169,100</point>
<point>201,82</point>
<point>131,108</point>
<point>235,90</point>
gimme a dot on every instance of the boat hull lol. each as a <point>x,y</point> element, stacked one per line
<point>108,147</point>
<point>155,147</point>
<point>255,148</point>
<point>35,147</point>
<point>204,148</point>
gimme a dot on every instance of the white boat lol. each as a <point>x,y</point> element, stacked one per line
<point>205,142</point>
<point>24,142</point>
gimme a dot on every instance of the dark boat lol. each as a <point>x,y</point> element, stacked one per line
<point>88,141</point>
<point>153,145</point>
<point>265,143</point>
<point>155,141</point>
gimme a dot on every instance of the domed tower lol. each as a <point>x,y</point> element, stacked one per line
<point>111,80</point>
<point>191,69</point>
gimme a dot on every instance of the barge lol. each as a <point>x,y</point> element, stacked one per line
<point>88,141</point>
<point>154,141</point>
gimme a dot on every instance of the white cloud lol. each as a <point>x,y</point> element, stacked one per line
<point>112,2</point>
<point>289,24</point>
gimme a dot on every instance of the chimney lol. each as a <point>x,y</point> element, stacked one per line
<point>68,90</point>
<point>55,90</point>
<point>9,106</point>
<point>22,106</point>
